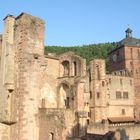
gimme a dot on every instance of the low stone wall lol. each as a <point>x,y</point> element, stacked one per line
<point>127,132</point>
<point>56,124</point>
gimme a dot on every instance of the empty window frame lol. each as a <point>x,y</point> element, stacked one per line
<point>125,95</point>
<point>118,95</point>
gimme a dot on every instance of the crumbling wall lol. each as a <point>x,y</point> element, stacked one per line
<point>29,67</point>
<point>56,124</point>
<point>49,83</point>
<point>98,91</point>
<point>7,97</point>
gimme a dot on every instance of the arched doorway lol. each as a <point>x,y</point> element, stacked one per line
<point>65,98</point>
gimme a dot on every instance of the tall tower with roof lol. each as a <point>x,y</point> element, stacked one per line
<point>126,56</point>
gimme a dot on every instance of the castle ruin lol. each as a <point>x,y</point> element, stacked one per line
<point>58,97</point>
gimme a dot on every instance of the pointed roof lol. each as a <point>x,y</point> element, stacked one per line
<point>128,30</point>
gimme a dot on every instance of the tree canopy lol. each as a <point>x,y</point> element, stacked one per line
<point>88,52</point>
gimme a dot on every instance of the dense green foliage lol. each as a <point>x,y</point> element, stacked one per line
<point>86,51</point>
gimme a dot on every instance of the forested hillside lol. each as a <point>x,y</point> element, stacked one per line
<point>86,51</point>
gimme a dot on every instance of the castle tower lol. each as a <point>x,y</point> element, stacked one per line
<point>97,90</point>
<point>29,52</point>
<point>7,71</point>
<point>127,57</point>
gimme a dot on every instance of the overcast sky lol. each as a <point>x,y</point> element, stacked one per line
<point>79,22</point>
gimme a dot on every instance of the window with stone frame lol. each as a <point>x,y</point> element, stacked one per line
<point>118,95</point>
<point>103,83</point>
<point>125,95</point>
<point>123,111</point>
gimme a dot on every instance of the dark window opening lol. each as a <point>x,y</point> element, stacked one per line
<point>89,75</point>
<point>98,95</point>
<point>123,111</point>
<point>103,83</point>
<point>89,114</point>
<point>125,95</point>
<point>90,95</point>
<point>118,95</point>
<point>67,103</point>
<point>121,73</point>
<point>66,68</point>
<point>98,71</point>
<point>87,121</point>
<point>75,69</point>
<point>109,80</point>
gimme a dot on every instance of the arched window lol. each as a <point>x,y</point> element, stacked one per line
<point>66,67</point>
<point>98,71</point>
<point>75,68</point>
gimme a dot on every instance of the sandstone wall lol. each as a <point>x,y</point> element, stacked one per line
<point>120,84</point>
<point>7,73</point>
<point>29,69</point>
<point>98,90</point>
<point>57,124</point>
<point>4,132</point>
<point>50,83</point>
<point>0,45</point>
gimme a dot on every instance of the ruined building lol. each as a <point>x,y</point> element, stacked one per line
<point>58,97</point>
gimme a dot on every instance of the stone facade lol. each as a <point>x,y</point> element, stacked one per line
<point>58,97</point>
<point>128,59</point>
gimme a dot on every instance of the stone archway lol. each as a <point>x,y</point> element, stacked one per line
<point>65,96</point>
